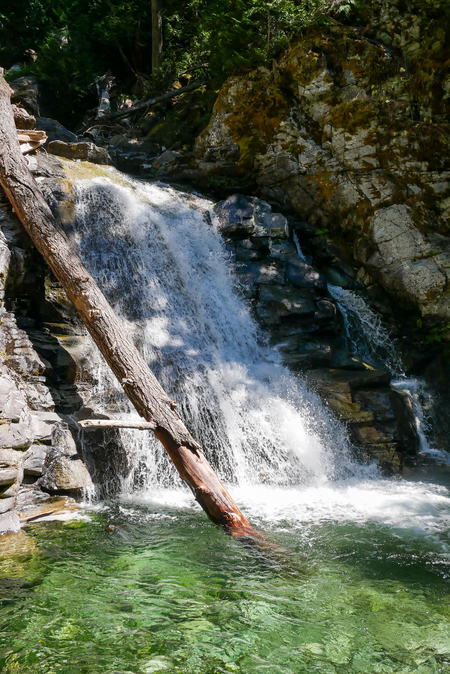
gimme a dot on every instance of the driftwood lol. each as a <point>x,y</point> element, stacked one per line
<point>117,423</point>
<point>30,140</point>
<point>137,380</point>
<point>153,101</point>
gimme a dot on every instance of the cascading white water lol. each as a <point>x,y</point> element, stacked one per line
<point>160,262</point>
<point>366,335</point>
<point>365,332</point>
<point>156,255</point>
<point>300,253</point>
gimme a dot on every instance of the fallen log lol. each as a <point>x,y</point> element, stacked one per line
<point>117,423</point>
<point>153,101</point>
<point>137,380</point>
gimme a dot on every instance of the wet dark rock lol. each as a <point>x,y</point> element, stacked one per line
<point>253,273</point>
<point>235,216</point>
<point>26,93</point>
<point>55,130</point>
<point>326,311</point>
<point>336,277</point>
<point>282,250</point>
<point>277,303</point>
<point>302,275</point>
<point>274,225</point>
<point>408,438</point>
<point>263,243</point>
<point>247,251</point>
<point>302,229</point>
<point>137,164</point>
<point>240,217</point>
<point>349,361</point>
<point>309,355</point>
<point>378,402</point>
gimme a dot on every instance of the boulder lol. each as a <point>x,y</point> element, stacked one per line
<point>63,469</point>
<point>55,130</point>
<point>80,150</point>
<point>22,119</point>
<point>247,251</point>
<point>240,216</point>
<point>8,476</point>
<point>7,504</point>
<point>34,459</point>
<point>235,216</point>
<point>26,93</point>
<point>167,161</point>
<point>9,523</point>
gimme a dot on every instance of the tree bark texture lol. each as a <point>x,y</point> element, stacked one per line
<point>137,380</point>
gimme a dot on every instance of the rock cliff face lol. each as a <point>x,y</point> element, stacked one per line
<point>350,131</point>
<point>291,302</point>
<point>42,369</point>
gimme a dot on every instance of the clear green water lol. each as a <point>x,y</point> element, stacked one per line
<point>149,587</point>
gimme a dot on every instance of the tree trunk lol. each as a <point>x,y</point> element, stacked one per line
<point>138,382</point>
<point>157,37</point>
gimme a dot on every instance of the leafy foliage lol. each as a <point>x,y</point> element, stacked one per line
<point>79,40</point>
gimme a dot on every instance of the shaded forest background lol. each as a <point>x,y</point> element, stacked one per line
<point>68,44</point>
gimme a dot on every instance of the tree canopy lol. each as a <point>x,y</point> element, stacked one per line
<point>77,41</point>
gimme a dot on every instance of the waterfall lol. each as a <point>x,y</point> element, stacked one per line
<point>300,253</point>
<point>163,267</point>
<point>365,332</point>
<point>366,335</point>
